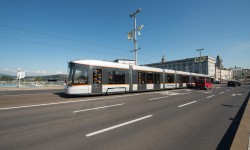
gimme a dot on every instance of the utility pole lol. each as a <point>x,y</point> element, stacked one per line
<point>132,34</point>
<point>200,67</point>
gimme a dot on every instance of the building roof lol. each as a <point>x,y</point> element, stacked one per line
<point>184,60</point>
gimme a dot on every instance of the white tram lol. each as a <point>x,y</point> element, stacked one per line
<point>91,77</point>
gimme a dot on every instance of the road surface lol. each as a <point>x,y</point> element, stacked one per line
<point>172,119</point>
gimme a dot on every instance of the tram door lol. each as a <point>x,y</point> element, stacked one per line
<point>97,81</point>
<point>141,81</point>
<point>180,81</point>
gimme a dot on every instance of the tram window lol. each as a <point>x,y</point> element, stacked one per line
<point>150,78</point>
<point>156,78</point>
<point>170,78</point>
<point>185,79</point>
<point>179,78</point>
<point>97,76</point>
<point>141,77</point>
<point>116,77</point>
<point>80,76</point>
<point>193,79</point>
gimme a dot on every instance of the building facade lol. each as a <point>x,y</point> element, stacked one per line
<point>246,75</point>
<point>237,73</point>
<point>223,74</point>
<point>203,65</point>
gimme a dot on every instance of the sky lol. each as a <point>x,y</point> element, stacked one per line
<point>41,36</point>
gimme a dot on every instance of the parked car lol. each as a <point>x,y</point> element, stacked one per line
<point>233,83</point>
<point>203,84</point>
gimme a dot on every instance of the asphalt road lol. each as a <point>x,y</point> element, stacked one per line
<point>174,119</point>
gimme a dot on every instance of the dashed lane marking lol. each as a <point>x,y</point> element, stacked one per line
<point>157,98</point>
<point>187,103</point>
<point>98,108</point>
<point>210,96</point>
<point>117,126</point>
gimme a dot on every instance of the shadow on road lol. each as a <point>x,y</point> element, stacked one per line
<point>227,139</point>
<point>63,95</point>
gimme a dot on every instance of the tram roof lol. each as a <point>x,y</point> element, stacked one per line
<point>101,63</point>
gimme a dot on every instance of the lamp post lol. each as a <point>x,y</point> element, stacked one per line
<point>134,32</point>
<point>200,68</point>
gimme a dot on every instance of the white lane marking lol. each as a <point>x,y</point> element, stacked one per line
<point>187,103</point>
<point>86,100</point>
<point>236,94</point>
<point>171,93</point>
<point>221,92</point>
<point>208,92</point>
<point>210,96</point>
<point>98,108</point>
<point>117,126</point>
<point>157,98</point>
<point>228,90</point>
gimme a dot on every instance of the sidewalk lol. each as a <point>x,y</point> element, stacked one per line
<point>242,138</point>
<point>32,88</point>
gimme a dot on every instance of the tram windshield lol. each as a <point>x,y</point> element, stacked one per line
<point>77,74</point>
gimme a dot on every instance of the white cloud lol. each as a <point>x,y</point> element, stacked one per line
<point>30,73</point>
<point>38,73</point>
<point>60,72</point>
<point>8,71</point>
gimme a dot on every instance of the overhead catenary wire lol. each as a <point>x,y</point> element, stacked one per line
<point>55,45</point>
<point>61,37</point>
<point>69,39</point>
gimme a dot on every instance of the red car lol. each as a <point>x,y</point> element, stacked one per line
<point>203,84</point>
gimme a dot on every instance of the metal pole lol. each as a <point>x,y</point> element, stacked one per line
<point>200,62</point>
<point>18,86</point>
<point>134,33</point>
<point>200,68</point>
<point>135,42</point>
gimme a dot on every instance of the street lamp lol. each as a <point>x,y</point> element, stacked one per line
<point>200,70</point>
<point>133,34</point>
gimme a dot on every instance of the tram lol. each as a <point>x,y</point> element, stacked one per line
<point>93,77</point>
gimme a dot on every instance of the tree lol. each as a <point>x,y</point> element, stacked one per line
<point>6,78</point>
<point>218,63</point>
<point>38,78</point>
